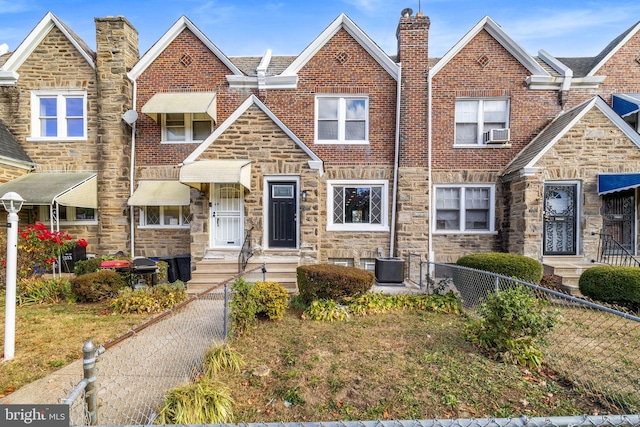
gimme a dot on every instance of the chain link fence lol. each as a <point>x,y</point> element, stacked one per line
<point>594,347</point>
<point>133,373</point>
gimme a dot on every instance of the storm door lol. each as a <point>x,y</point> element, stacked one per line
<point>560,219</point>
<point>226,216</point>
<point>618,215</point>
<point>283,214</point>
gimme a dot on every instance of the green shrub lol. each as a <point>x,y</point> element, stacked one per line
<point>616,285</point>
<point>90,265</point>
<point>36,290</point>
<point>221,358</point>
<point>149,299</point>
<point>325,311</point>
<point>330,281</point>
<point>102,285</point>
<point>202,402</point>
<point>512,326</point>
<point>244,308</point>
<point>511,265</point>
<point>272,299</point>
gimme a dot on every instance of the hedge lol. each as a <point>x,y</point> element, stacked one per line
<point>332,282</point>
<point>520,267</point>
<point>617,285</point>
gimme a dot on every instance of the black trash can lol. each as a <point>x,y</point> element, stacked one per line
<point>389,270</point>
<point>69,258</point>
<point>172,268</point>
<point>184,267</point>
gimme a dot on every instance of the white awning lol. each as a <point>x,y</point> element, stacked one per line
<point>160,193</point>
<point>181,102</point>
<point>78,189</point>
<point>217,171</point>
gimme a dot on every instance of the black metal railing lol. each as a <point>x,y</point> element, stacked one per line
<point>246,252</point>
<point>612,252</point>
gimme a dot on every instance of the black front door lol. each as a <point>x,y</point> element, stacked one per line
<point>283,213</point>
<point>560,219</point>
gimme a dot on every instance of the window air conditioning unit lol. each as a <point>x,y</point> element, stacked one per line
<point>497,136</point>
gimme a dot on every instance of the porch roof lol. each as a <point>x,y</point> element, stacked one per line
<point>612,182</point>
<point>160,193</point>
<point>78,189</point>
<point>218,172</point>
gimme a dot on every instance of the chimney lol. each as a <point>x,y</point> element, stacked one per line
<point>413,38</point>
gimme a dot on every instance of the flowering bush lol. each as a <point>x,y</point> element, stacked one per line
<point>38,248</point>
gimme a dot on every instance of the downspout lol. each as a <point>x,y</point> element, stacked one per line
<point>429,185</point>
<point>396,164</point>
<point>132,211</point>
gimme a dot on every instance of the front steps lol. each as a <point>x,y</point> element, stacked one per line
<point>569,269</point>
<point>217,267</point>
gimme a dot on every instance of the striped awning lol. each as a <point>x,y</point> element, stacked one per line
<point>218,172</point>
<point>78,189</point>
<point>181,102</point>
<point>160,193</point>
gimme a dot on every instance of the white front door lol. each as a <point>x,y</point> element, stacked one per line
<point>226,216</point>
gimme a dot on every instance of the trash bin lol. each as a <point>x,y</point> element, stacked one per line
<point>184,267</point>
<point>69,258</point>
<point>389,270</point>
<point>172,268</point>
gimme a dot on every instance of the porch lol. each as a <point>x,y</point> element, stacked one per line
<point>568,268</point>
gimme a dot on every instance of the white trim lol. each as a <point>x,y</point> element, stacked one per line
<point>212,227</point>
<point>383,227</point>
<point>360,36</point>
<point>60,95</point>
<point>142,223</point>
<point>266,179</point>
<point>69,209</point>
<point>8,72</point>
<point>479,120</point>
<point>342,113</point>
<point>188,120</point>
<point>461,209</point>
<point>613,51</point>
<point>156,50</point>
<point>501,37</point>
<point>578,214</point>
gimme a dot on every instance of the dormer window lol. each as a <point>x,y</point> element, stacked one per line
<point>477,118</point>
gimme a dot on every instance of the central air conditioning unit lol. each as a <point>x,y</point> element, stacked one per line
<point>497,136</point>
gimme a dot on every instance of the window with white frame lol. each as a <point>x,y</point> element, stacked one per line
<point>464,208</point>
<point>181,127</point>
<point>476,117</point>
<point>342,119</point>
<point>58,115</point>
<point>357,205</point>
<point>69,214</point>
<point>165,216</point>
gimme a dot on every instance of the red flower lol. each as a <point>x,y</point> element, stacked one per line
<point>82,243</point>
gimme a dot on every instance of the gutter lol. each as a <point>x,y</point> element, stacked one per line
<point>429,165</point>
<point>396,164</point>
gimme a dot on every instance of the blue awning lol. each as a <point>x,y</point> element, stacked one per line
<point>612,182</point>
<point>626,103</point>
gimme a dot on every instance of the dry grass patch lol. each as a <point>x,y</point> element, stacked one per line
<point>50,336</point>
<point>398,365</point>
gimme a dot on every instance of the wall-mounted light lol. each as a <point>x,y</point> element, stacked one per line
<point>304,195</point>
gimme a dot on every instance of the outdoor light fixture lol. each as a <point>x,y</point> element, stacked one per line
<point>304,195</point>
<point>12,202</point>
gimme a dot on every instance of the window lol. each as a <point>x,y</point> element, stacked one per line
<point>165,216</point>
<point>475,117</point>
<point>368,264</point>
<point>179,127</point>
<point>345,262</point>
<point>57,115</point>
<point>466,208</point>
<point>357,205</point>
<point>69,214</point>
<point>342,120</point>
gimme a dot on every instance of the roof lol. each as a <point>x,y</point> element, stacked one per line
<point>67,188</point>
<point>529,155</point>
<point>9,70</point>
<point>10,149</point>
<point>249,64</point>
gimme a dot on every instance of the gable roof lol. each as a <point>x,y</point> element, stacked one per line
<point>314,163</point>
<point>9,70</point>
<point>11,151</point>
<point>343,22</point>
<point>525,161</point>
<point>491,27</point>
<point>176,29</point>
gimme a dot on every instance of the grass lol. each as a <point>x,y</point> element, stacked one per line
<point>398,365</point>
<point>49,337</point>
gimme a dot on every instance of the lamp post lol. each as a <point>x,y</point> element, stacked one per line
<point>12,203</point>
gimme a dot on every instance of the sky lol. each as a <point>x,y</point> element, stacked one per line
<point>567,28</point>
